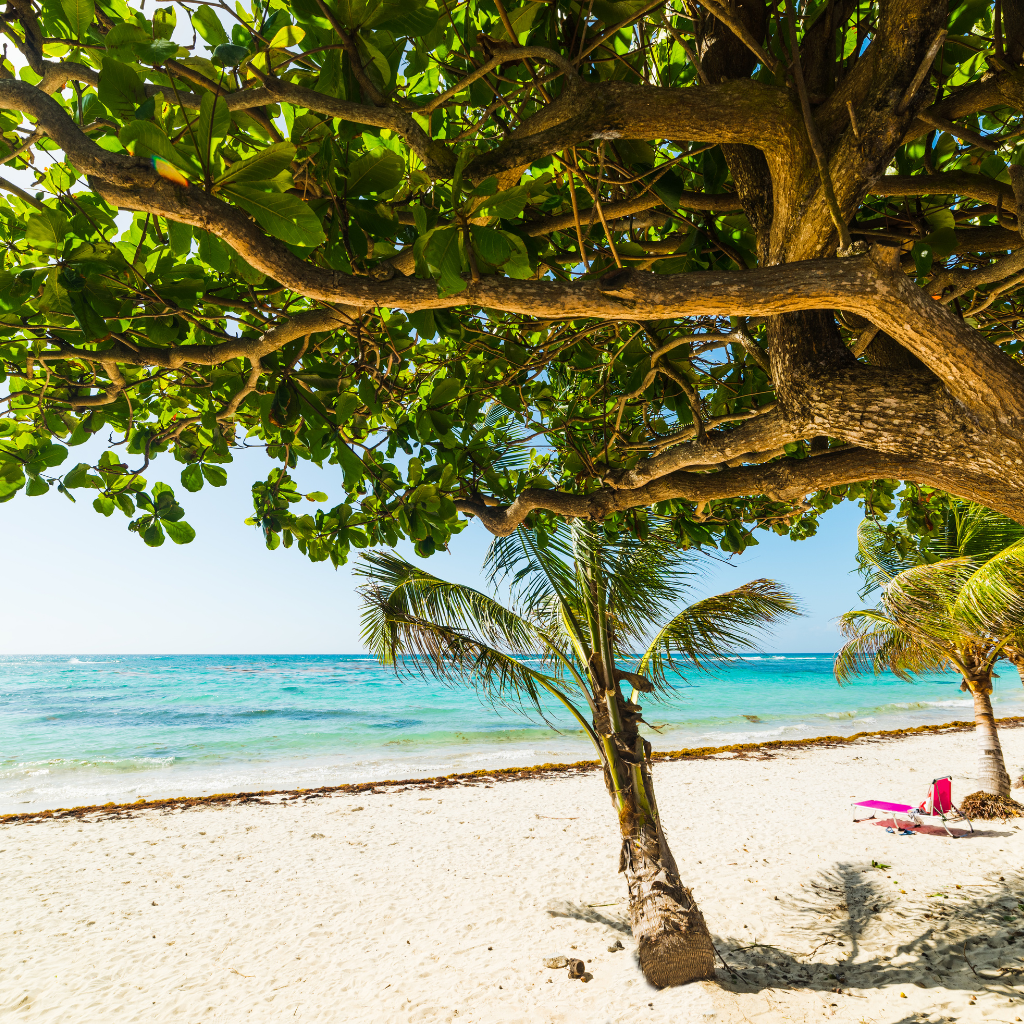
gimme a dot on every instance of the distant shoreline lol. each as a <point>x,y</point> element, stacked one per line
<point>479,776</point>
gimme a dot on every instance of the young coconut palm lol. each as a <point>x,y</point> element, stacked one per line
<point>959,612</point>
<point>584,602</point>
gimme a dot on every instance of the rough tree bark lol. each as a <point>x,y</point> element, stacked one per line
<point>673,942</point>
<point>992,773</point>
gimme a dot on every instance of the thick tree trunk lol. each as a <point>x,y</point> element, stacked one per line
<point>673,941</point>
<point>992,773</point>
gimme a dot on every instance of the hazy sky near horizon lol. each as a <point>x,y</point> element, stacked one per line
<point>79,583</point>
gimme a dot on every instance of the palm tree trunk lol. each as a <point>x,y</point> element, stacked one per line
<point>673,941</point>
<point>992,772</point>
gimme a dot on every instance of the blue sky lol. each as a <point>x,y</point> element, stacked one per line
<point>80,583</point>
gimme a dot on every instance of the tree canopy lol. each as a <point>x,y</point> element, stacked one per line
<point>729,259</point>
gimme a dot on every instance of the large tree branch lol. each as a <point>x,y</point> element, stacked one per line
<point>762,433</point>
<point>959,183</point>
<point>739,111</point>
<point>312,321</point>
<point>788,480</point>
<point>976,372</point>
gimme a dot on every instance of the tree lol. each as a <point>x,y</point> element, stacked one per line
<point>586,602</point>
<point>711,259</point>
<point>961,611</point>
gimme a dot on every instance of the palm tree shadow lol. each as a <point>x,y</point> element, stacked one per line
<point>581,912</point>
<point>962,943</point>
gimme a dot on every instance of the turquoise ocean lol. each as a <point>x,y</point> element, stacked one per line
<point>94,728</point>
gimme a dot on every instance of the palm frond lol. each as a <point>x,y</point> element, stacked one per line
<point>878,644</point>
<point>883,552</point>
<point>978,532</point>
<point>921,599</point>
<point>505,435</point>
<point>992,599</point>
<point>537,567</point>
<point>415,592</point>
<point>413,621</point>
<point>717,627</point>
<point>645,580</point>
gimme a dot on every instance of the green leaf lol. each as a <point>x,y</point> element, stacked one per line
<point>287,35</point>
<point>103,505</point>
<point>379,61</point>
<point>262,167</point>
<point>446,392</point>
<point>213,124</point>
<point>157,52</point>
<point>120,89</point>
<point>180,532</point>
<point>36,486</point>
<point>490,245</point>
<point>507,204</point>
<point>282,215</point>
<point>125,34</point>
<point>208,25</point>
<point>217,476</point>
<point>79,476</point>
<point>345,407</point>
<point>213,251</point>
<point>152,534</point>
<point>228,55</point>
<point>521,19</point>
<point>351,465</point>
<point>519,265</point>
<point>80,15</point>
<point>144,138</point>
<point>373,173</point>
<point>316,496</point>
<point>192,477</point>
<point>924,255</point>
<point>942,241</point>
<point>47,230</point>
<point>444,260</point>
<point>404,18</point>
<point>487,187</point>
<point>180,236</point>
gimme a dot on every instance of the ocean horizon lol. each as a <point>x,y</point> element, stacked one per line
<point>86,729</point>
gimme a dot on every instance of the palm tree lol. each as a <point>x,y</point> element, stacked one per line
<point>955,600</point>
<point>583,602</point>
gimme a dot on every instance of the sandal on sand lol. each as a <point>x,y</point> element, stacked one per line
<point>902,831</point>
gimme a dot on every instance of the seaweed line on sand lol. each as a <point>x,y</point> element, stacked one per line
<point>480,776</point>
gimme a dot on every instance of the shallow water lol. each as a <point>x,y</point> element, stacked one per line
<point>82,730</point>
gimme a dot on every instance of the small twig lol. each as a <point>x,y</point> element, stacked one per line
<point>969,964</point>
<point>576,218</point>
<point>812,135</point>
<point>923,70</point>
<point>24,196</point>
<point>600,212</point>
<point>733,972</point>
<point>853,120</point>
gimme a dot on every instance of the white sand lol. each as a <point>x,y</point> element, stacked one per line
<point>441,905</point>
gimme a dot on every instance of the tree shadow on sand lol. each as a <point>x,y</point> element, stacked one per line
<point>618,922</point>
<point>854,929</point>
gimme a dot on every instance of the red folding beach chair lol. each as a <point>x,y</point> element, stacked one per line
<point>938,804</point>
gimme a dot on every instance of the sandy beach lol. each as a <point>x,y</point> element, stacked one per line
<point>441,905</point>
